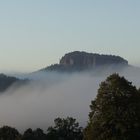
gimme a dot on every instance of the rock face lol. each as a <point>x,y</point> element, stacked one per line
<point>83,59</point>
<point>77,61</point>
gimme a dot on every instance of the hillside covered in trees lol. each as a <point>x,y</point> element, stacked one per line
<point>7,81</point>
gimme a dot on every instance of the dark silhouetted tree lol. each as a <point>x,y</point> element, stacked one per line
<point>65,129</point>
<point>37,134</point>
<point>115,113</point>
<point>9,133</point>
<point>28,135</point>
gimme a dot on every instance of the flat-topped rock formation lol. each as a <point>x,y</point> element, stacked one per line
<point>75,61</point>
<point>84,59</point>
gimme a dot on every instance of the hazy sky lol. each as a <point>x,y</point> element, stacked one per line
<point>36,33</point>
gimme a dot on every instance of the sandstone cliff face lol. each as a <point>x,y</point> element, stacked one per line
<point>83,59</point>
<point>79,61</point>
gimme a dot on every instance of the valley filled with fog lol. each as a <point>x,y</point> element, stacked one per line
<point>49,95</point>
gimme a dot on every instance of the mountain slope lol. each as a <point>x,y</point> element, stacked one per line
<point>7,81</point>
<point>79,61</point>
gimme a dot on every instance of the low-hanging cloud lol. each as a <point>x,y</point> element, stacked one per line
<point>53,95</point>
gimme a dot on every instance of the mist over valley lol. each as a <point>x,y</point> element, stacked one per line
<point>48,94</point>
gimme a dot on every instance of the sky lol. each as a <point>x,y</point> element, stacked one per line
<point>37,33</point>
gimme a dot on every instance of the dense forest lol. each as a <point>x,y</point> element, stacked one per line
<point>114,115</point>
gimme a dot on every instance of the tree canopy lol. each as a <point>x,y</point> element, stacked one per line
<point>37,134</point>
<point>115,113</point>
<point>9,133</point>
<point>65,129</point>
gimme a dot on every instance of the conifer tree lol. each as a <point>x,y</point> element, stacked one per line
<point>115,113</point>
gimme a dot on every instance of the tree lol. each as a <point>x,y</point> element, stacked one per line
<point>65,129</point>
<point>9,133</point>
<point>37,134</point>
<point>28,135</point>
<point>115,113</point>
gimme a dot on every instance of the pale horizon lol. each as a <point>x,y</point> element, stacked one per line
<point>35,34</point>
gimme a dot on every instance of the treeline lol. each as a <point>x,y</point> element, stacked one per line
<point>64,129</point>
<point>114,115</point>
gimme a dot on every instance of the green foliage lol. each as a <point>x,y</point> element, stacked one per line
<point>115,113</point>
<point>65,129</point>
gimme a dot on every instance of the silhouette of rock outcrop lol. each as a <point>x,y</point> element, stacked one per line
<point>77,60</point>
<point>84,59</point>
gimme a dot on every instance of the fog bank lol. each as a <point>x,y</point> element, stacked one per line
<point>54,95</point>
